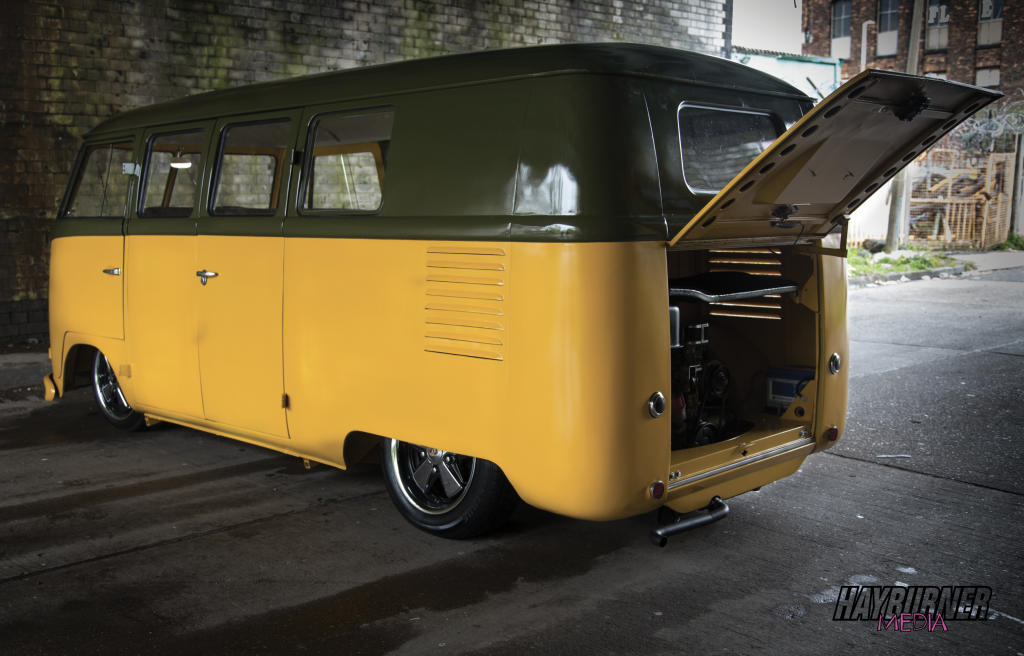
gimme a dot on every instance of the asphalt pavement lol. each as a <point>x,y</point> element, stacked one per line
<point>173,541</point>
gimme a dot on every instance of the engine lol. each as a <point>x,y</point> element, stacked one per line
<point>700,387</point>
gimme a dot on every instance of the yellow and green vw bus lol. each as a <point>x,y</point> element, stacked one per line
<point>601,278</point>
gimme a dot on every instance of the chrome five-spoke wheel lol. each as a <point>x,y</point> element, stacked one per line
<point>110,398</point>
<point>432,480</point>
<point>445,493</point>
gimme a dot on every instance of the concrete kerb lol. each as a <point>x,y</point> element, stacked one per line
<point>911,275</point>
<point>23,369</point>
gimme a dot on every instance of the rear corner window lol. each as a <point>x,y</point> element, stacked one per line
<point>173,170</point>
<point>349,157</point>
<point>100,188</point>
<point>718,143</point>
<point>251,169</point>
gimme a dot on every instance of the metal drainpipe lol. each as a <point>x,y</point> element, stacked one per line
<point>913,54</point>
<point>864,44</point>
<point>1018,182</point>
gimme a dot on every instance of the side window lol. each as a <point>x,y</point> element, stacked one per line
<point>718,143</point>
<point>173,170</point>
<point>349,156</point>
<point>990,22</point>
<point>936,34</point>
<point>100,189</point>
<point>841,16</point>
<point>251,167</point>
<point>888,26</point>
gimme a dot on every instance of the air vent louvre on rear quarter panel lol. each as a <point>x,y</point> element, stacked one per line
<point>757,261</point>
<point>466,301</point>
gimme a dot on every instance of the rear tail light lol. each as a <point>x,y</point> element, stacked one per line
<point>832,434</point>
<point>657,490</point>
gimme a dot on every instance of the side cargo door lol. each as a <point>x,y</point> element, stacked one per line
<point>87,248</point>
<point>160,271</point>
<point>239,270</point>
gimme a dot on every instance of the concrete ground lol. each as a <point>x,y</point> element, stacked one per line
<point>173,541</point>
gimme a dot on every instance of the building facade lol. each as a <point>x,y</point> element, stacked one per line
<point>965,192</point>
<point>69,64</point>
<point>978,42</point>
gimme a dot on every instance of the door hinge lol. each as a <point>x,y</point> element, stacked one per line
<point>844,222</point>
<point>284,401</point>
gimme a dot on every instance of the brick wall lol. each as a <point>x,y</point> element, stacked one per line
<point>959,61</point>
<point>68,64</point>
<point>23,320</point>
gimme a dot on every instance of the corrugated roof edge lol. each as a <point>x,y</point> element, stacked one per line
<point>454,70</point>
<point>743,50</point>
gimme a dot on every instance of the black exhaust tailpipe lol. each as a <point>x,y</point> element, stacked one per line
<point>716,510</point>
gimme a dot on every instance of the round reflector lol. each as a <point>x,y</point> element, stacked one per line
<point>657,490</point>
<point>832,434</point>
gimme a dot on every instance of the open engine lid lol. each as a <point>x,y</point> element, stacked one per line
<point>832,159</point>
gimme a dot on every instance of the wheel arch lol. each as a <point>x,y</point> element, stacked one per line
<point>360,448</point>
<point>76,359</point>
<point>77,363</point>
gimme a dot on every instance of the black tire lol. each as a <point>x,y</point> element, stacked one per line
<point>452,497</point>
<point>113,405</point>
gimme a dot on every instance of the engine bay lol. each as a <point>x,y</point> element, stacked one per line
<point>742,339</point>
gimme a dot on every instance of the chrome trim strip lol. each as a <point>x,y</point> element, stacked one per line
<point>791,446</point>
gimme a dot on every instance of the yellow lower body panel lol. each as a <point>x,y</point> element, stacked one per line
<point>541,357</point>
<point>591,346</point>
<point>251,437</point>
<point>696,491</point>
<point>161,321</point>
<point>834,338</point>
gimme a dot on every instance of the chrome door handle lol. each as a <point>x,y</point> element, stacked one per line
<point>113,272</point>
<point>204,274</point>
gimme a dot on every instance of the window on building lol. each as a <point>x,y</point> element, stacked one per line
<point>350,154</point>
<point>718,143</point>
<point>936,35</point>
<point>172,174</point>
<point>888,26</point>
<point>841,12</point>
<point>101,189</point>
<point>986,77</point>
<point>251,169</point>
<point>990,22</point>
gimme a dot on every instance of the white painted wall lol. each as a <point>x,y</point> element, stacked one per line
<point>767,25</point>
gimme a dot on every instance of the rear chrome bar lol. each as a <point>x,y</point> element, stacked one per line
<point>791,446</point>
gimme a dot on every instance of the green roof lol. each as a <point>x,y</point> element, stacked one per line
<point>455,70</point>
